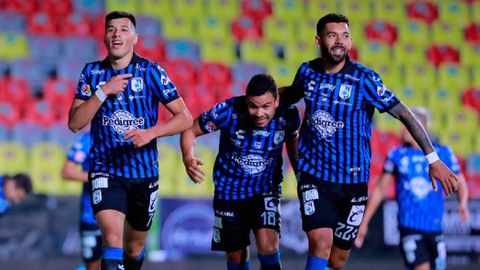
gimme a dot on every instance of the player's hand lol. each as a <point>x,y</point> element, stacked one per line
<point>117,84</point>
<point>362,232</point>
<point>447,178</point>
<point>192,166</point>
<point>139,137</point>
<point>463,213</point>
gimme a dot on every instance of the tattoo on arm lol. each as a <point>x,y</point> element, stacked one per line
<point>414,126</point>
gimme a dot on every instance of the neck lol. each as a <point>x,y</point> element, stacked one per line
<point>120,63</point>
<point>330,67</point>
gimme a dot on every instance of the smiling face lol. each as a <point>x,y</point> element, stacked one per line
<point>120,37</point>
<point>334,42</point>
<point>262,108</point>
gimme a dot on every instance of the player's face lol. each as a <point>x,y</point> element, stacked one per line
<point>13,194</point>
<point>120,36</point>
<point>262,108</point>
<point>335,42</point>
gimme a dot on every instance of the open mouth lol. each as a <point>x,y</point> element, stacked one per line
<point>116,44</point>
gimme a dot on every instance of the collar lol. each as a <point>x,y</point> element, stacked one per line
<point>348,68</point>
<point>106,63</point>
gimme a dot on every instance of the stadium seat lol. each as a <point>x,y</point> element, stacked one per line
<point>9,113</point>
<point>386,123</point>
<point>69,69</point>
<point>13,158</point>
<point>314,9</point>
<point>4,131</point>
<point>75,24</point>
<point>45,169</point>
<point>455,78</point>
<point>219,49</point>
<point>389,10</point>
<point>381,31</point>
<point>148,26</point>
<point>205,95</point>
<point>12,21</point>
<point>214,73</point>
<point>180,71</point>
<point>212,27</point>
<point>460,142</point>
<point>91,7</point>
<point>185,186</point>
<point>245,27</point>
<point>464,120</point>
<point>476,75</point>
<point>278,29</point>
<point>42,23</point>
<point>27,8</point>
<point>256,9</point>
<point>45,48</point>
<point>188,8</point>
<point>413,32</point>
<point>182,49</point>
<point>125,5</point>
<point>89,50</point>
<point>41,112</point>
<point>283,72</point>
<point>475,8</point>
<point>13,46</point>
<point>421,70</point>
<point>370,52</point>
<point>390,73</point>
<point>178,27</point>
<point>56,8</point>
<point>425,11</point>
<point>472,33</point>
<point>289,184</point>
<point>59,92</point>
<point>454,11</point>
<point>473,184</point>
<point>447,33</point>
<point>443,99</point>
<point>291,9</point>
<point>305,30</point>
<point>154,8</point>
<point>473,163</point>
<point>227,10</point>
<point>59,134</point>
<point>16,90</point>
<point>151,47</point>
<point>471,98</point>
<point>257,51</point>
<point>297,51</point>
<point>168,167</point>
<point>409,53</point>
<point>242,71</point>
<point>28,133</point>
<point>238,88</point>
<point>33,71</point>
<point>439,54</point>
<point>411,95</point>
<point>358,12</point>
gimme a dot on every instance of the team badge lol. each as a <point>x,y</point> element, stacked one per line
<point>97,196</point>
<point>137,84</point>
<point>309,208</point>
<point>278,137</point>
<point>345,91</point>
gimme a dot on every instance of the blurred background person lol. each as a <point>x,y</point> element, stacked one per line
<point>13,190</point>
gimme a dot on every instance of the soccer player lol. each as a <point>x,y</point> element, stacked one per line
<point>334,144</point>
<point>90,236</point>
<point>420,210</point>
<point>13,190</point>
<point>247,171</point>
<point>120,96</point>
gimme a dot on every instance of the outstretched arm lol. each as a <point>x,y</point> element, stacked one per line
<point>437,168</point>
<point>70,171</point>
<point>374,201</point>
<point>187,144</point>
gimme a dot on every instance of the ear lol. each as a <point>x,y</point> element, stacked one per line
<point>135,40</point>
<point>277,101</point>
<point>318,41</point>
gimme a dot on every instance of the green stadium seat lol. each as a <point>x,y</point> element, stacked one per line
<point>306,30</point>
<point>283,72</point>
<point>358,11</point>
<point>411,95</point>
<point>390,73</point>
<point>461,142</point>
<point>453,11</point>
<point>443,99</point>
<point>227,10</point>
<point>189,8</point>
<point>476,74</point>
<point>297,51</point>
<point>178,27</point>
<point>469,54</point>
<point>278,29</point>
<point>447,32</point>
<point>455,78</point>
<point>370,53</point>
<point>261,52</point>
<point>316,8</point>
<point>13,46</point>
<point>463,120</point>
<point>218,50</point>
<point>168,167</point>
<point>213,27</point>
<point>292,9</point>
<point>422,70</point>
<point>389,10</point>
<point>289,184</point>
<point>157,9</point>
<point>131,6</point>
<point>13,158</point>
<point>475,11</point>
<point>413,32</point>
<point>409,53</point>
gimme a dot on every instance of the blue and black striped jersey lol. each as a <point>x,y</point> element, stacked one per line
<point>249,160</point>
<point>419,207</point>
<point>78,154</point>
<point>136,107</point>
<point>334,143</point>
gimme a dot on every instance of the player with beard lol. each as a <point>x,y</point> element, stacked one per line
<point>334,145</point>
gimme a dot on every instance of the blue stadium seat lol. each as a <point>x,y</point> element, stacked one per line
<point>182,49</point>
<point>59,134</point>
<point>4,133</point>
<point>28,134</point>
<point>242,72</point>
<point>35,72</point>
<point>12,21</point>
<point>45,48</point>
<point>92,7</point>
<point>88,52</point>
<point>69,69</point>
<point>149,26</point>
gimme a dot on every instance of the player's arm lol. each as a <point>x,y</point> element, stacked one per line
<point>181,120</point>
<point>462,198</point>
<point>82,112</point>
<point>437,168</point>
<point>187,144</point>
<point>374,200</point>
<point>292,151</point>
<point>70,171</point>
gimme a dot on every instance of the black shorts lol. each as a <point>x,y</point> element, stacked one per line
<point>91,242</point>
<point>330,205</point>
<point>235,219</point>
<point>420,247</point>
<point>135,198</point>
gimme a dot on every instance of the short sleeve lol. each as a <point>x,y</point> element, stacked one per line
<point>84,90</point>
<point>389,166</point>
<point>161,85</point>
<point>217,117</point>
<point>378,94</point>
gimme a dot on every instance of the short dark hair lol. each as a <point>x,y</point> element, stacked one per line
<point>261,83</point>
<point>330,18</point>
<point>118,15</point>
<point>22,181</point>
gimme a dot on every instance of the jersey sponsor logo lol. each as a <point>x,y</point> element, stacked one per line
<point>97,196</point>
<point>309,208</point>
<point>257,145</point>
<point>311,85</point>
<point>165,80</point>
<point>310,195</point>
<point>86,90</point>
<point>356,215</point>
<point>97,72</point>
<point>240,134</point>
<point>325,124</point>
<point>252,164</point>
<point>263,133</point>
<point>381,90</point>
<point>359,199</point>
<point>100,182</point>
<point>123,121</point>
<point>271,204</point>
<point>345,91</point>
<point>327,86</point>
<point>348,76</point>
<point>137,84</point>
<point>210,126</point>
<point>278,137</point>
<point>224,213</point>
<point>420,187</point>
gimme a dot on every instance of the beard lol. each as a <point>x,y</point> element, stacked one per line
<point>333,59</point>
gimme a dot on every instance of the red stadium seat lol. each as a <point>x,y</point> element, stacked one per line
<point>59,92</point>
<point>56,7</point>
<point>41,112</point>
<point>9,114</point>
<point>353,53</point>
<point>28,8</point>
<point>426,11</point>
<point>180,71</point>
<point>471,98</point>
<point>257,9</point>
<point>438,54</point>
<point>245,27</point>
<point>75,24</point>
<point>472,33</point>
<point>15,90</point>
<point>214,73</point>
<point>41,23</point>
<point>473,184</point>
<point>379,31</point>
<point>151,47</point>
